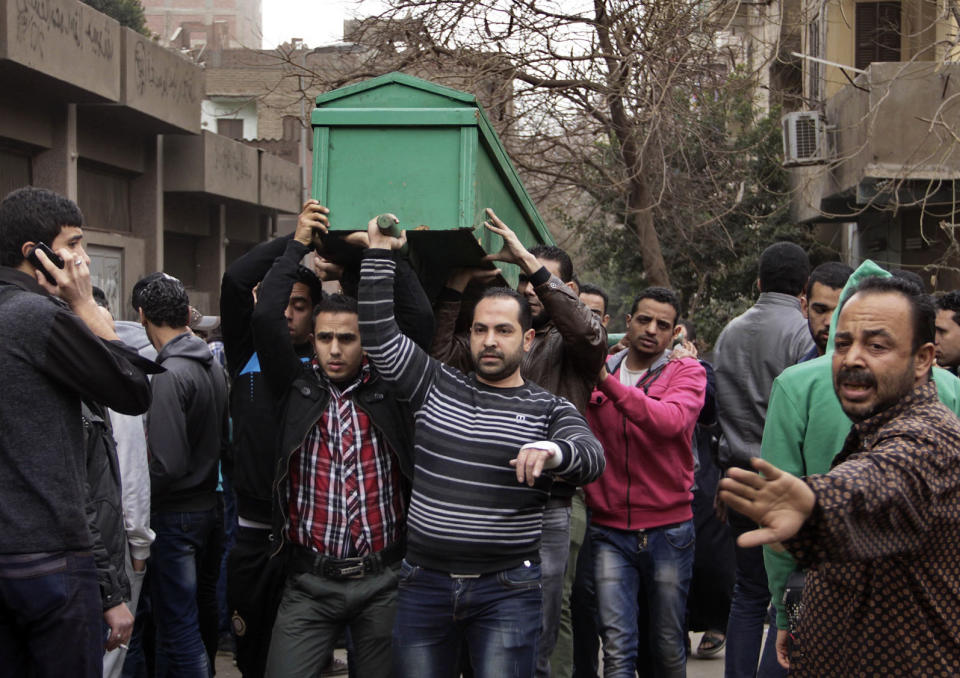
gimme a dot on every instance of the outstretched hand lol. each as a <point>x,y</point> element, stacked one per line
<point>779,502</point>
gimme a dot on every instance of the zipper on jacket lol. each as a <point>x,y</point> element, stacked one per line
<point>626,447</point>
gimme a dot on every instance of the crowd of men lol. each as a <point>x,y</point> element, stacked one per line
<point>474,484</point>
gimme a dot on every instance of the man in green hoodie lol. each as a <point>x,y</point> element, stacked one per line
<point>805,429</point>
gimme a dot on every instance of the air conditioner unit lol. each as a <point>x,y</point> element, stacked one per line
<point>804,138</point>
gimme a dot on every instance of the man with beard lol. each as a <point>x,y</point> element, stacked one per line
<point>568,348</point>
<point>805,429</point>
<point>483,441</point>
<point>880,533</point>
<point>820,298</point>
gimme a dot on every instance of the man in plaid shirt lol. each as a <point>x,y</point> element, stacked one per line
<point>340,496</point>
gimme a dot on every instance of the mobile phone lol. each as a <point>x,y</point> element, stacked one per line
<point>679,339</point>
<point>51,255</point>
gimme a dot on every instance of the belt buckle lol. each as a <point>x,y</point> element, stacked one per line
<point>454,575</point>
<point>351,571</point>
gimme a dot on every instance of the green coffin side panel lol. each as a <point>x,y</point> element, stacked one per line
<point>428,154</point>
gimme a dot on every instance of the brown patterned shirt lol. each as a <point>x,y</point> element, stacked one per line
<point>883,544</point>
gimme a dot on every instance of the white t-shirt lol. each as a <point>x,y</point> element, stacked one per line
<point>630,377</point>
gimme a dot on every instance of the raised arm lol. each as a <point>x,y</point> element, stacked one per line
<point>449,347</point>
<point>413,310</point>
<point>584,337</point>
<point>271,337</point>
<point>236,300</point>
<point>397,358</point>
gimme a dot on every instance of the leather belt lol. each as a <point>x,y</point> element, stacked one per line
<point>558,502</point>
<point>309,561</point>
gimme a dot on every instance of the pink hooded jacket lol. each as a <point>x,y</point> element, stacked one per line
<point>646,439</point>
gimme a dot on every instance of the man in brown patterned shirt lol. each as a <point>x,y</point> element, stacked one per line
<point>880,533</point>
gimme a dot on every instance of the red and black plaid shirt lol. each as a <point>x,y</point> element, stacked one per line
<point>344,493</point>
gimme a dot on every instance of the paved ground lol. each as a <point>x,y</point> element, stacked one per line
<point>696,668</point>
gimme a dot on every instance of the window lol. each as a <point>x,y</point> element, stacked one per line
<point>103,196</point>
<point>877,33</point>
<point>230,128</point>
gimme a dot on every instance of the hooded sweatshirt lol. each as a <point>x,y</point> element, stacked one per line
<point>187,426</point>
<point>806,427</point>
<point>128,432</point>
<point>646,436</point>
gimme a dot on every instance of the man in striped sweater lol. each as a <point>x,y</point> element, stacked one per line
<point>487,447</point>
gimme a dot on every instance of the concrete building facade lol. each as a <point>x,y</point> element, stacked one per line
<point>884,86</point>
<point>111,119</point>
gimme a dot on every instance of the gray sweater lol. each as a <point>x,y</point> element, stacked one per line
<point>752,351</point>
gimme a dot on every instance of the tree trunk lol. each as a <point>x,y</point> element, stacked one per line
<point>640,218</point>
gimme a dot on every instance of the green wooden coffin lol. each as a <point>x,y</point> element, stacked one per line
<point>429,155</point>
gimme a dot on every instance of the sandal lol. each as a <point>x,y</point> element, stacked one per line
<point>711,644</point>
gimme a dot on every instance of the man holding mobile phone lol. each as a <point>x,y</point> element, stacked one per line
<point>56,348</point>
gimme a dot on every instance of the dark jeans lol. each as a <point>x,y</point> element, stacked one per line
<point>554,548</point>
<point>748,611</point>
<point>50,623</point>
<point>254,586</point>
<point>208,605</point>
<point>182,542</point>
<point>646,574</point>
<point>497,614</point>
<point>583,612</point>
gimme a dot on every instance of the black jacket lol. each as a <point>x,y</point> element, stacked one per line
<point>303,395</point>
<point>253,407</point>
<point>187,426</point>
<point>104,506</point>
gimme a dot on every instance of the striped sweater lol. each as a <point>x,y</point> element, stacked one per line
<point>468,514</point>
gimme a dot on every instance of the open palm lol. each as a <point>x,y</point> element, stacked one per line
<point>778,501</point>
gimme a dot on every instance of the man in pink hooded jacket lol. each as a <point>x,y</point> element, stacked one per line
<point>643,411</point>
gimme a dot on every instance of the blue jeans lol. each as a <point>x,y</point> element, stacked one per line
<point>50,623</point>
<point>496,615</point>
<point>657,573</point>
<point>748,611</point>
<point>175,558</point>
<point>554,549</point>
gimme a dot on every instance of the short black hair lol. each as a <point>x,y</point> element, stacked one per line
<point>33,215</point>
<point>833,274</point>
<point>922,310</point>
<point>554,253</point>
<point>911,277</point>
<point>661,294</point>
<point>336,303</point>
<point>100,297</point>
<point>310,279</point>
<point>950,302</point>
<point>163,300</point>
<point>596,290</point>
<point>524,316</point>
<point>690,327</point>
<point>784,268</point>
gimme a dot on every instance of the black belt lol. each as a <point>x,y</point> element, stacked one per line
<point>558,502</point>
<point>308,560</point>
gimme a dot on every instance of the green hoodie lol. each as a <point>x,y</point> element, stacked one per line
<point>806,427</point>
